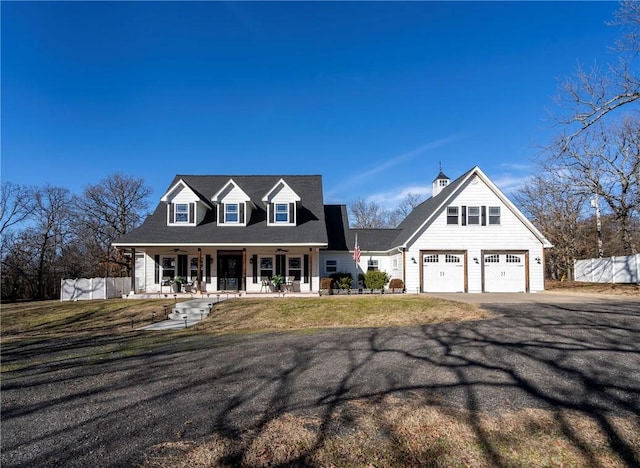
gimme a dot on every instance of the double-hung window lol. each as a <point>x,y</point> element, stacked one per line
<point>452,215</point>
<point>266,267</point>
<point>181,213</point>
<point>231,213</point>
<point>494,215</point>
<point>473,215</point>
<point>330,266</point>
<point>282,212</point>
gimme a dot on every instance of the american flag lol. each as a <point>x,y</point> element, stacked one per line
<point>356,251</point>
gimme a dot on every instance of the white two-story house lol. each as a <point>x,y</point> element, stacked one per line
<point>230,232</point>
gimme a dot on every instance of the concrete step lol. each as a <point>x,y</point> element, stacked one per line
<point>196,309</point>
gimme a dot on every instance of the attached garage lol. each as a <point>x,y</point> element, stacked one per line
<point>505,271</point>
<point>443,272</point>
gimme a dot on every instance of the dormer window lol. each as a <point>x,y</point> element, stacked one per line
<point>231,213</point>
<point>181,213</point>
<point>281,203</point>
<point>282,212</point>
<point>234,206</point>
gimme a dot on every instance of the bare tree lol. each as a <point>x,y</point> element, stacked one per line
<point>555,209</point>
<point>590,95</point>
<point>16,205</point>
<point>408,203</point>
<point>108,210</point>
<point>368,215</point>
<point>604,162</point>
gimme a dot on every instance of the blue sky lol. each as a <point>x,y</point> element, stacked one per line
<point>371,95</point>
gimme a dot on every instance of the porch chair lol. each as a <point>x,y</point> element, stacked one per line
<point>166,281</point>
<point>288,283</point>
<point>265,284</point>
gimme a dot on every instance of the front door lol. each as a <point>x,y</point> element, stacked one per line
<point>229,272</point>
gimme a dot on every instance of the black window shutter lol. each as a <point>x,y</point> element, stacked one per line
<point>192,212</point>
<point>182,265</point>
<point>221,213</point>
<point>207,267</point>
<point>306,268</point>
<point>280,264</point>
<point>292,212</point>
<point>484,215</point>
<point>254,260</point>
<point>241,216</point>
<point>171,213</point>
<point>270,208</point>
<point>464,215</point>
<point>157,268</point>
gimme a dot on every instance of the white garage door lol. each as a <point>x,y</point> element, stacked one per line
<point>443,272</point>
<point>504,272</point>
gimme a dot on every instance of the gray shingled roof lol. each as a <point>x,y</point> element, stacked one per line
<point>423,211</point>
<point>341,237</point>
<point>311,219</point>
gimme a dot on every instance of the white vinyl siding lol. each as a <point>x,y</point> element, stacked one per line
<point>509,235</point>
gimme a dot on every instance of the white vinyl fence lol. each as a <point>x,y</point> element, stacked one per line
<point>86,289</point>
<point>608,270</point>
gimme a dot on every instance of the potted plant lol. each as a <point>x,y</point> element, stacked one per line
<point>177,283</point>
<point>277,281</point>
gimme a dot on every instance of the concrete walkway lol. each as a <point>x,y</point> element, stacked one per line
<point>174,323</point>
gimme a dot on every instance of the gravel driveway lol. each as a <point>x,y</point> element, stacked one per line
<point>107,412</point>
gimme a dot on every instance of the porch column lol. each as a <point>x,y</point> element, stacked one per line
<point>311,270</point>
<point>244,269</point>
<point>404,268</point>
<point>133,271</point>
<point>199,287</point>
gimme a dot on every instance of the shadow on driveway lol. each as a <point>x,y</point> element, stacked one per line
<point>108,410</point>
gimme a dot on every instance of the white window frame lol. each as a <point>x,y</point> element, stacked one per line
<point>277,213</point>
<point>179,210</point>
<point>172,266</point>
<point>473,219</point>
<point>450,214</point>
<point>227,213</point>
<point>292,271</point>
<point>266,263</point>
<point>330,268</point>
<point>373,264</point>
<point>193,267</point>
<point>494,221</point>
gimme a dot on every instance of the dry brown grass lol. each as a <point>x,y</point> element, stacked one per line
<point>593,288</point>
<point>413,433</point>
<point>55,319</point>
<point>275,314</point>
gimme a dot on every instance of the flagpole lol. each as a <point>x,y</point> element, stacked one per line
<point>356,257</point>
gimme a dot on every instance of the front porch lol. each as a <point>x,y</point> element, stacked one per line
<point>216,296</point>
